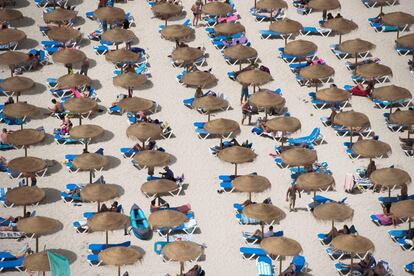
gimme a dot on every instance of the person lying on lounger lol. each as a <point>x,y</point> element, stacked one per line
<point>364,265</point>
<point>335,232</point>
<point>289,271</point>
<point>267,234</point>
<point>360,90</point>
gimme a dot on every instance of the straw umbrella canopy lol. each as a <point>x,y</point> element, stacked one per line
<point>23,196</point>
<point>390,178</point>
<point>391,93</point>
<point>11,35</point>
<point>284,125</point>
<point>298,156</point>
<point>356,46</point>
<point>333,95</point>
<point>158,187</point>
<point>130,81</point>
<point>25,138</point>
<point>17,85</point>
<point>96,192</point>
<point>209,104</point>
<point>353,245</point>
<point>371,148</point>
<point>118,36</point>
<point>324,5</point>
<point>27,164</point>
<point>353,120</point>
<point>152,158</point>
<point>251,184</point>
<point>20,110</point>
<point>341,26</point>
<point>263,212</point>
<point>217,9</point>
<point>267,99</point>
<point>287,27</point>
<point>186,55</point>
<point>107,221</point>
<point>12,59</point>
<point>166,219</point>
<point>73,80</point>
<point>80,106</point>
<point>254,77</point>
<point>119,256</point>
<point>316,72</point>
<point>59,16</point>
<point>110,14</point>
<point>282,247</point>
<point>222,127</point>
<point>229,28</point>
<point>333,211</point>
<point>63,34</point>
<point>315,181</point>
<point>90,162</point>
<point>144,132</point>
<point>166,10</point>
<point>176,32</point>
<point>135,105</point>
<point>404,118</point>
<point>407,41</point>
<point>373,70</point>
<point>240,53</point>
<point>271,6</point>
<point>403,209</point>
<point>236,155</point>
<point>86,132</point>
<point>69,56</point>
<point>10,15</point>
<point>122,56</point>
<point>38,226</point>
<point>182,251</point>
<point>399,19</point>
<point>37,262</point>
<point>300,48</point>
<point>199,79</point>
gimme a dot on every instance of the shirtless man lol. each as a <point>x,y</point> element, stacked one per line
<point>291,197</point>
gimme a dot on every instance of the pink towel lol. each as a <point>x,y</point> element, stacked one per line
<point>384,220</point>
<point>75,93</point>
<point>349,183</point>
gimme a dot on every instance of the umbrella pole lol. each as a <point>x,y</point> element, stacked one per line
<point>265,113</point>
<point>235,169</point>
<point>119,271</point>
<point>351,137</point>
<point>352,264</point>
<point>21,126</point>
<point>25,151</point>
<point>314,199</point>
<point>80,119</point>
<point>181,268</point>
<point>106,237</point>
<point>280,265</point>
<point>255,3</point>
<point>90,176</point>
<point>250,196</point>
<point>285,40</point>
<point>283,138</point>
<point>99,206</point>
<point>166,19</point>
<point>24,210</point>
<point>389,193</point>
<point>408,133</point>
<point>262,225</point>
<point>17,97</point>
<point>86,147</point>
<point>340,38</point>
<point>37,244</point>
<point>398,32</point>
<point>409,224</point>
<point>381,9</point>
<point>208,117</point>
<point>221,142</point>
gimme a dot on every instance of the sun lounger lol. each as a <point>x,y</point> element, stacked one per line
<point>393,199</point>
<point>409,268</point>
<point>249,253</point>
<point>314,137</point>
<point>242,219</point>
<point>321,200</point>
<point>16,264</point>
<point>264,266</point>
<point>405,244</point>
<point>93,260</point>
<point>380,219</point>
<point>251,239</point>
<point>396,234</point>
<point>96,247</point>
<point>300,264</point>
<point>315,31</point>
<point>10,235</point>
<point>4,255</point>
<point>267,34</point>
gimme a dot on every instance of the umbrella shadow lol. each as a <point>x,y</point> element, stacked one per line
<point>139,249</point>
<point>42,113</point>
<point>51,195</point>
<point>85,42</point>
<point>184,188</point>
<point>49,139</point>
<point>79,20</point>
<point>21,4</point>
<point>24,22</point>
<point>113,162</point>
<point>53,166</point>
<point>106,136</point>
<point>76,2</point>
<point>70,255</point>
<point>147,85</point>
<point>92,63</point>
<point>96,84</point>
<point>182,16</point>
<point>28,43</point>
<point>37,89</point>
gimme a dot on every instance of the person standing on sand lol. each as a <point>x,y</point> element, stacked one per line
<point>244,93</point>
<point>291,197</point>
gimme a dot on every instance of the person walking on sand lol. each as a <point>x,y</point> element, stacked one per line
<point>244,93</point>
<point>84,67</point>
<point>291,197</point>
<point>196,9</point>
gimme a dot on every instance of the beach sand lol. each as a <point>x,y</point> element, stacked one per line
<point>219,230</point>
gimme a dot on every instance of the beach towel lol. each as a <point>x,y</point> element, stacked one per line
<point>75,92</point>
<point>384,220</point>
<point>59,265</point>
<point>349,183</point>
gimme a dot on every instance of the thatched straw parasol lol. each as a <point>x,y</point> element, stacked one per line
<point>287,27</point>
<point>407,41</point>
<point>166,10</point>
<point>263,212</point>
<point>144,131</point>
<point>356,46</point>
<point>96,192</point>
<point>316,72</point>
<point>186,55</point>
<point>166,219</point>
<point>298,156</point>
<point>130,81</point>
<point>90,162</point>
<point>371,148</point>
<point>69,56</point>
<point>404,118</point>
<point>63,34</point>
<point>324,5</point>
<point>240,53</point>
<point>110,14</point>
<point>284,125</point>
<point>404,209</point>
<point>135,105</point>
<point>390,178</point>
<point>236,155</point>
<point>25,138</point>
<point>73,80</point>
<point>333,95</point>
<point>23,196</point>
<point>182,251</point>
<point>8,15</point>
<point>353,120</point>
<point>158,187</point>
<point>399,19</point>
<point>118,36</point>
<point>199,79</point>
<point>341,26</point>
<point>229,28</point>
<point>300,48</point>
<point>27,164</point>
<point>251,184</point>
<point>107,221</point>
<point>59,16</point>
<point>281,247</point>
<point>217,9</point>
<point>333,211</point>
<point>176,32</point>
<point>315,181</point>
<point>12,59</point>
<point>11,35</point>
<point>17,85</point>
<point>122,56</point>
<point>152,158</point>
<point>267,99</point>
<point>80,106</point>
<point>119,256</point>
<point>254,77</point>
<point>20,110</point>
<point>209,104</point>
<point>373,70</point>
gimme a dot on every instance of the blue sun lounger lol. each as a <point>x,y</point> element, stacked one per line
<point>5,255</point>
<point>97,247</point>
<point>249,253</point>
<point>159,246</point>
<point>409,267</point>
<point>16,264</point>
<point>264,266</point>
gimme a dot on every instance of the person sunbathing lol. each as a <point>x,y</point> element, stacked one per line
<point>104,208</point>
<point>195,271</point>
<point>157,204</point>
<point>378,270</point>
<point>364,265</point>
<point>360,90</point>
<point>267,234</point>
<point>335,232</point>
<point>115,207</point>
<point>16,219</point>
<point>4,136</point>
<point>289,271</point>
<point>388,214</point>
<point>247,203</point>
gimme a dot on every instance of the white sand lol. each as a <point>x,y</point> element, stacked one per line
<point>219,230</point>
